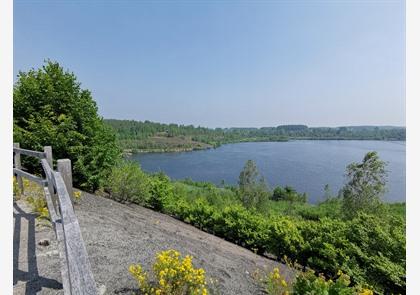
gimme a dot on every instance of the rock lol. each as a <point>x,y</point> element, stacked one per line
<point>102,289</point>
<point>44,242</point>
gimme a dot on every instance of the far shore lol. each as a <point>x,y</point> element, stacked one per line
<point>191,149</point>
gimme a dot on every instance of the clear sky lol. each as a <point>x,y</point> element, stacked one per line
<point>226,63</point>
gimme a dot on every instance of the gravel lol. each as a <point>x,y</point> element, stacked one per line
<point>117,235</point>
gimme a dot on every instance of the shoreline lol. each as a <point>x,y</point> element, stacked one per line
<point>190,149</point>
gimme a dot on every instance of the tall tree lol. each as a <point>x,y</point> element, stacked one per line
<point>252,187</point>
<point>365,187</point>
<point>50,108</point>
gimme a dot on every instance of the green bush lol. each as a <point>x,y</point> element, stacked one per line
<point>128,183</point>
<point>284,238</point>
<point>160,191</point>
<point>244,227</point>
<point>288,194</point>
<point>378,245</point>
<point>307,283</point>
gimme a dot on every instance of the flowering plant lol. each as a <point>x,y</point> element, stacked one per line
<point>173,275</point>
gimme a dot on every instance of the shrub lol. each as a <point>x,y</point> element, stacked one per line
<point>244,227</point>
<point>35,197</point>
<point>160,191</point>
<point>308,283</point>
<point>127,182</point>
<point>378,245</point>
<point>39,206</point>
<point>288,194</point>
<point>16,189</point>
<point>77,195</point>
<point>276,283</point>
<point>172,275</point>
<point>284,238</point>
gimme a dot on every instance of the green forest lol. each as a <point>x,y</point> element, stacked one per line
<point>353,233</point>
<point>150,136</point>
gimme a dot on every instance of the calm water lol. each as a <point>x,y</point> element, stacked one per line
<point>305,165</point>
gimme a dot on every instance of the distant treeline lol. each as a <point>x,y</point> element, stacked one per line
<point>146,135</point>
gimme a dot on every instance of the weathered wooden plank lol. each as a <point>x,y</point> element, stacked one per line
<point>81,277</point>
<point>75,266</point>
<point>58,227</point>
<point>40,155</point>
<point>53,214</point>
<point>64,167</point>
<point>18,165</point>
<point>51,181</point>
<point>29,176</point>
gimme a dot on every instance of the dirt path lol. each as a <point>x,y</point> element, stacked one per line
<point>117,235</point>
<point>36,268</point>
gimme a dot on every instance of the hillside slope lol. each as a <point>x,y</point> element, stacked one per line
<point>117,235</point>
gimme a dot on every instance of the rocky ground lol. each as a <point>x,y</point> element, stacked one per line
<point>117,235</point>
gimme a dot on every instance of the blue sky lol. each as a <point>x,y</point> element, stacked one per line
<point>226,63</point>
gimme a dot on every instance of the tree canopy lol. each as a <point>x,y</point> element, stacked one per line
<point>365,186</point>
<point>51,108</point>
<point>252,187</point>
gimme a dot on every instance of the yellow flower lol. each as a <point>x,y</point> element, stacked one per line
<point>174,275</point>
<point>283,283</point>
<point>366,292</point>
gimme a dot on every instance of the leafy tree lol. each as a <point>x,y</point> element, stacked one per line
<point>252,187</point>
<point>51,108</point>
<point>288,193</point>
<point>365,186</point>
<point>327,192</point>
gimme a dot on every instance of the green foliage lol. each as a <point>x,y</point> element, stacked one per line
<point>16,190</point>
<point>244,227</point>
<point>368,248</point>
<point>39,206</point>
<point>172,275</point>
<point>137,135</point>
<point>160,191</point>
<point>288,194</point>
<point>285,238</point>
<point>307,283</point>
<point>365,187</point>
<point>127,182</point>
<point>276,284</point>
<point>50,108</point>
<point>252,188</point>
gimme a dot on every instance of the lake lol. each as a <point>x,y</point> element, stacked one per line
<point>306,165</point>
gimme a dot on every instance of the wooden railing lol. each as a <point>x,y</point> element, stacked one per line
<point>75,267</point>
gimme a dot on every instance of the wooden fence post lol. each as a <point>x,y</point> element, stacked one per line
<point>48,154</point>
<point>18,165</point>
<point>64,167</point>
